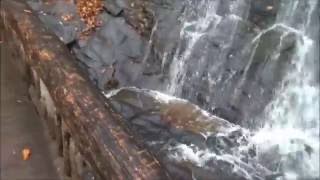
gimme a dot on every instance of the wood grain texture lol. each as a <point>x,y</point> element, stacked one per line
<point>98,133</point>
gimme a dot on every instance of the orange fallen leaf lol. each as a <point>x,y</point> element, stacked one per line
<point>89,11</point>
<point>46,55</point>
<point>26,153</point>
<point>67,17</point>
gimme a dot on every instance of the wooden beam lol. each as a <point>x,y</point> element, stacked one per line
<point>98,133</point>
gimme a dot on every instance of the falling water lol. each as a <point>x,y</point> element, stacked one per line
<point>191,31</point>
<point>292,127</point>
<point>288,139</point>
<point>292,117</point>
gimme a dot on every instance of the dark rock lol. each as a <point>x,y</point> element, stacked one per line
<point>112,7</point>
<point>263,13</point>
<point>114,46</point>
<point>66,33</point>
<point>171,128</point>
<point>123,4</point>
<point>35,5</point>
<point>60,17</point>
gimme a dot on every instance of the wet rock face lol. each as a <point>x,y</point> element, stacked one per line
<point>225,56</point>
<point>188,141</point>
<point>263,13</point>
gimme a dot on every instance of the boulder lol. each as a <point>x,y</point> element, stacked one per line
<point>263,13</point>
<point>189,141</point>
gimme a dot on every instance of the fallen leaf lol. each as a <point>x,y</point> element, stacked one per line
<point>26,153</point>
<point>67,17</point>
<point>27,11</point>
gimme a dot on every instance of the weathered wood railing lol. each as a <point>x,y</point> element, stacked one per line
<point>91,139</point>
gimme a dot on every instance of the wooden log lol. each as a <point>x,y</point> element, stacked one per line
<point>99,134</point>
<point>183,136</point>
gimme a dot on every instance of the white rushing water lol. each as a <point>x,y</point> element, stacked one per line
<point>199,25</point>
<point>292,118</point>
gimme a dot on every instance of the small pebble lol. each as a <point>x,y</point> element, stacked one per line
<point>269,8</point>
<point>19,101</point>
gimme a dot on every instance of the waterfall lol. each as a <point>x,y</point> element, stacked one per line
<point>292,118</point>
<point>191,31</point>
<point>254,63</point>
